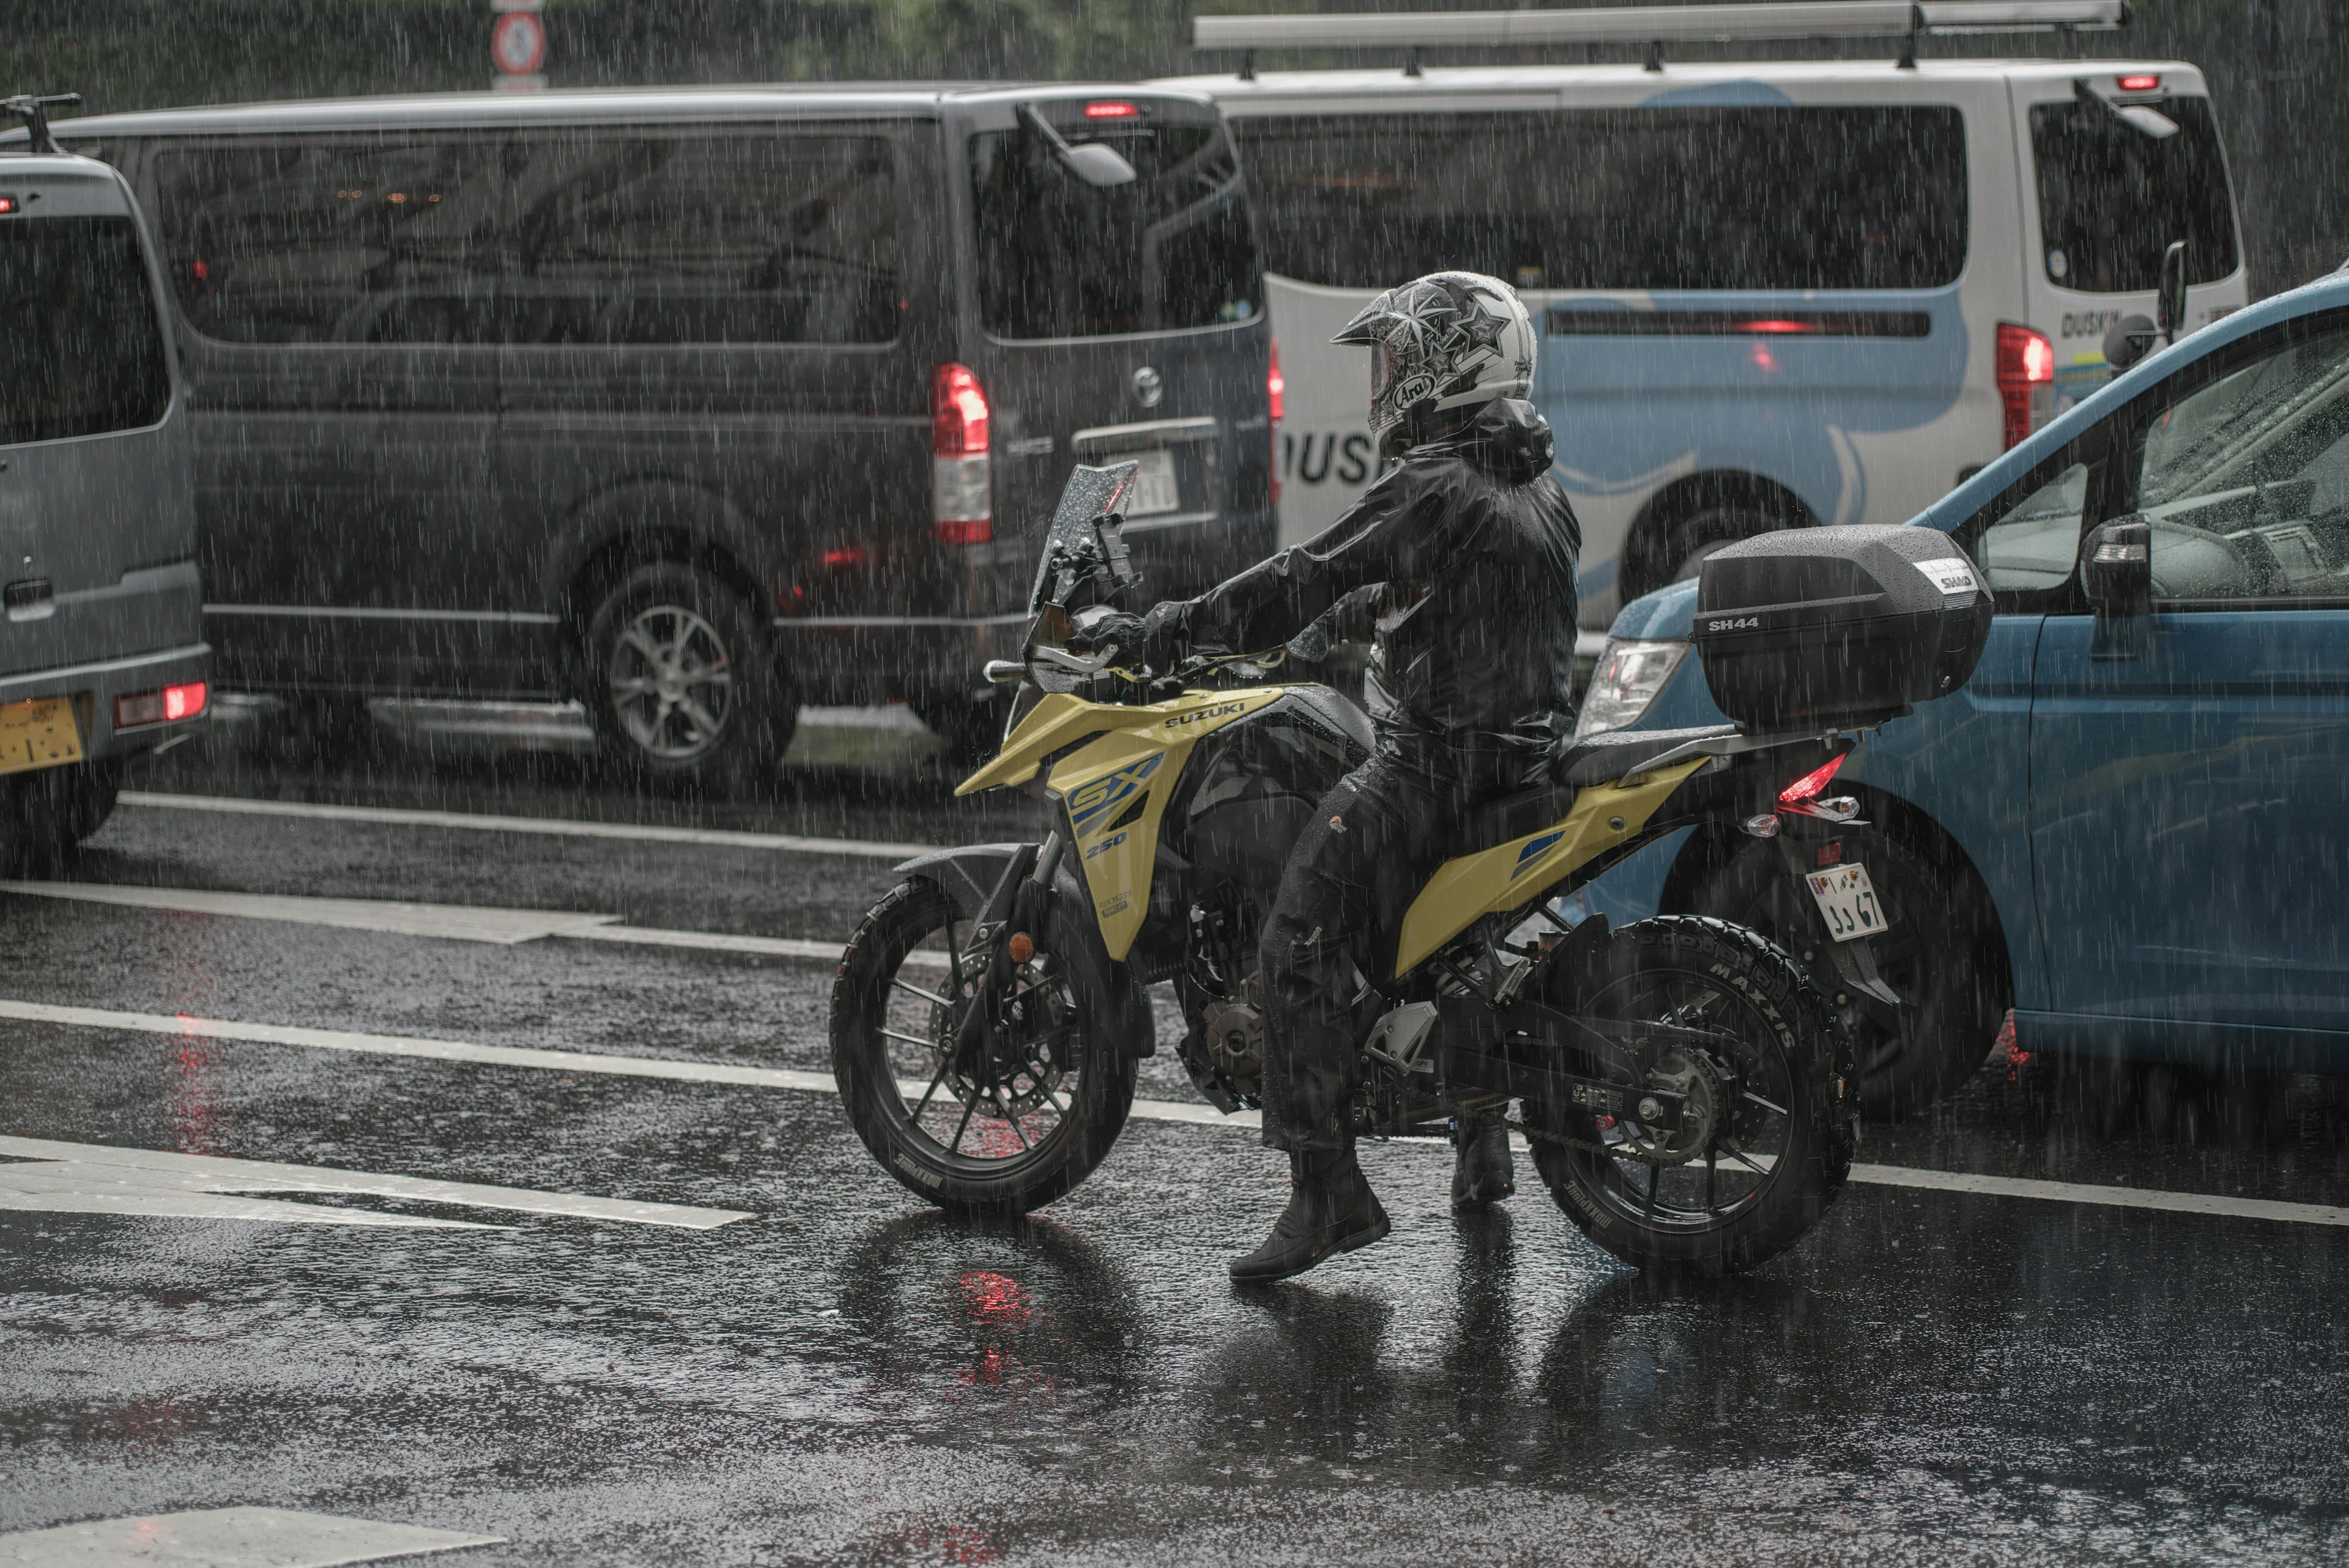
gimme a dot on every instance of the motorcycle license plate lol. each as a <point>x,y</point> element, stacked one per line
<point>1153,489</point>
<point>40,733</point>
<point>1847,902</point>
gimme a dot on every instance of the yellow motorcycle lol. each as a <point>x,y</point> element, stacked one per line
<point>1688,1093</point>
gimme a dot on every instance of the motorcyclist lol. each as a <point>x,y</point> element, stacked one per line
<point>1464,553</point>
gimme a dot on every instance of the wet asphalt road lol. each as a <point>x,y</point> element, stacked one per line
<point>842,1377</point>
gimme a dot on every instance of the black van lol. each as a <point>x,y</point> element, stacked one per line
<point>697,404</point>
<point>101,627</point>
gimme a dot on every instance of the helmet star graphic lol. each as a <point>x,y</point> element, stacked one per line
<point>1448,341</point>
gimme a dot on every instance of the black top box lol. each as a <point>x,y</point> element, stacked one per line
<point>1837,628</point>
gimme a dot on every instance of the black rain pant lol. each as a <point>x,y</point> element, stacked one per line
<point>1374,841</point>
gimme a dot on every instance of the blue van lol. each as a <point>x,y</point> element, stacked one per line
<point>2132,824</point>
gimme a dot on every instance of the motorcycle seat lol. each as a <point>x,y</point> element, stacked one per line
<point>1593,760</point>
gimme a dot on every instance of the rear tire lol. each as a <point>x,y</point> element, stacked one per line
<point>1066,1078</point>
<point>49,812</point>
<point>1782,1148</point>
<point>682,688</point>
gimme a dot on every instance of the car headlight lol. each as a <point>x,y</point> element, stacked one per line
<point>1628,676</point>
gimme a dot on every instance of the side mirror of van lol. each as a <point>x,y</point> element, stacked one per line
<point>2129,341</point>
<point>2116,579</point>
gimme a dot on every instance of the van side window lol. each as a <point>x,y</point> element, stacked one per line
<point>1744,198</point>
<point>2112,197</point>
<point>286,240</point>
<point>2245,478</point>
<point>752,237</point>
<point>82,352</point>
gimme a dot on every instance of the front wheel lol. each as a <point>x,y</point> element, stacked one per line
<point>1763,1071</point>
<point>997,1124</point>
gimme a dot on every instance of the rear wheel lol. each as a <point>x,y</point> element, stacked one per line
<point>998,1123</point>
<point>682,689</point>
<point>49,813</point>
<point>1769,1120</point>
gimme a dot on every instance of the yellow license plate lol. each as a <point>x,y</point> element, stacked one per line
<point>38,734</point>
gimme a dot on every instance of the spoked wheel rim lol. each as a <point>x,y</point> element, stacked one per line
<point>983,1109</point>
<point>1745,1062</point>
<point>672,682</point>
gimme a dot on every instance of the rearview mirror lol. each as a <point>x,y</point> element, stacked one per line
<point>2170,300</point>
<point>2129,341</point>
<point>2116,579</point>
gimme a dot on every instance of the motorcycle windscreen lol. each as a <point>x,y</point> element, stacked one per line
<point>1087,498</point>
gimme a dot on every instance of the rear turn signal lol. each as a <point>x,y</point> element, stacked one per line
<point>1809,786</point>
<point>1275,391</point>
<point>168,706</point>
<point>962,483</point>
<point>2025,369</point>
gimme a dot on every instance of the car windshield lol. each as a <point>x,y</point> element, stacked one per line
<point>1059,256</point>
<point>81,352</point>
<point>2111,196</point>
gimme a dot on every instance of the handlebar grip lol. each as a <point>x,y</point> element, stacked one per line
<point>1004,672</point>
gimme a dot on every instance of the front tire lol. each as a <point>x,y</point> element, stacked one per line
<point>1022,1121</point>
<point>682,686</point>
<point>1785,1122</point>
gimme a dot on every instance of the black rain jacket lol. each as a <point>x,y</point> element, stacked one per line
<point>1464,552</point>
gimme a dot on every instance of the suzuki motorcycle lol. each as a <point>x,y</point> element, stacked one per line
<point>1688,1094</point>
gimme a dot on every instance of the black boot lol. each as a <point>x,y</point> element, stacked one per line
<point>1482,1173</point>
<point>1331,1208</point>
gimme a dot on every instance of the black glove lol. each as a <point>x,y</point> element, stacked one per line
<point>1128,635</point>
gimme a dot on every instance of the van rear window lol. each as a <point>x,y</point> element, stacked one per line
<point>81,352</point>
<point>2112,197</point>
<point>1746,198</point>
<point>1059,258</point>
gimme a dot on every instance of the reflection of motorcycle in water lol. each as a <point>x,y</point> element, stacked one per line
<point>1687,1092</point>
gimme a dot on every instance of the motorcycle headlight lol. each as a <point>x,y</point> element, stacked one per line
<point>1628,676</point>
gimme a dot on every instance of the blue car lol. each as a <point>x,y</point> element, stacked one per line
<point>2131,827</point>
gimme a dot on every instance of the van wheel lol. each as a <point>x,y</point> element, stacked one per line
<point>1940,954</point>
<point>47,814</point>
<point>972,727</point>
<point>1685,548</point>
<point>682,686</point>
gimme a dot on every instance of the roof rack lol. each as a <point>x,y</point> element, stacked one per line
<point>1655,25</point>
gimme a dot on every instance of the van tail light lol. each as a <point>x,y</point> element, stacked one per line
<point>2025,372</point>
<point>1275,391</point>
<point>165,707</point>
<point>2141,82</point>
<point>962,481</point>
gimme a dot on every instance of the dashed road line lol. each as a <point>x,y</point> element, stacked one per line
<point>564,827</point>
<point>102,1178</point>
<point>228,1538</point>
<point>455,923</point>
<point>1902,1176</point>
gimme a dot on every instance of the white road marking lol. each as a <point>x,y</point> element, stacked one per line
<point>101,1178</point>
<point>558,827</point>
<point>226,1537</point>
<point>1143,1110</point>
<point>456,922</point>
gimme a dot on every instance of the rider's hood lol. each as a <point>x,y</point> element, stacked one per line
<point>1508,439</point>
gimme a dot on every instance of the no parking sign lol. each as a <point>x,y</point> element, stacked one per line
<point>518,44</point>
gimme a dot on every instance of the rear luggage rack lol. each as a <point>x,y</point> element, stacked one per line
<point>1655,25</point>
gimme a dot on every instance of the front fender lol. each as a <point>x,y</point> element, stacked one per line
<point>969,876</point>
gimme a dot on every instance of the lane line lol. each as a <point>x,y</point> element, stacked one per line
<point>1913,1177</point>
<point>102,1179</point>
<point>228,1538</point>
<point>561,827</point>
<point>456,922</point>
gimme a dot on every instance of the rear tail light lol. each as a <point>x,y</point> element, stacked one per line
<point>1811,785</point>
<point>1275,391</point>
<point>2142,83</point>
<point>962,483</point>
<point>2025,372</point>
<point>168,706</point>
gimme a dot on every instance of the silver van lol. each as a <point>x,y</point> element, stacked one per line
<point>102,654</point>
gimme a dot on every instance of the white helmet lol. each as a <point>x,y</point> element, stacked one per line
<point>1448,341</point>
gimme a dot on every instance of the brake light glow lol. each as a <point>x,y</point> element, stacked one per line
<point>1809,786</point>
<point>1275,391</point>
<point>2025,372</point>
<point>2145,83</point>
<point>962,481</point>
<point>165,707</point>
<point>7,205</point>
<point>1113,109</point>
<point>1776,325</point>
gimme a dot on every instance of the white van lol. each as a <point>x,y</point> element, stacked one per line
<point>1771,293</point>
